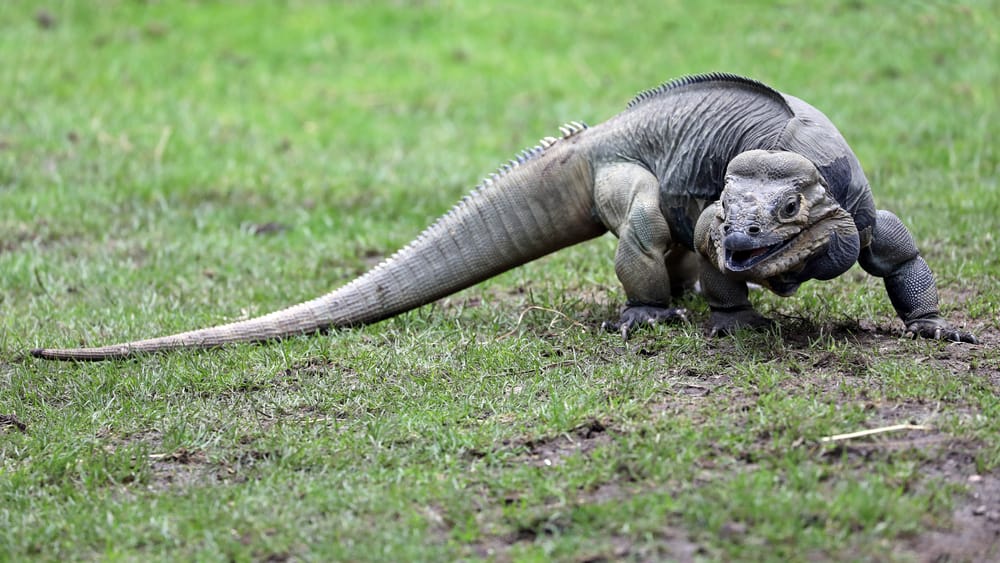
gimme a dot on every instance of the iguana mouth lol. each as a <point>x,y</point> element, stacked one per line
<point>744,259</point>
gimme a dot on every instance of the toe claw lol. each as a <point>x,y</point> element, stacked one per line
<point>725,323</point>
<point>635,316</point>
<point>938,329</point>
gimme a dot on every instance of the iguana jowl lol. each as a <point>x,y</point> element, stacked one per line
<point>718,170</point>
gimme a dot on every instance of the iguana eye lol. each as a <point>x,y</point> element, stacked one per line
<point>791,207</point>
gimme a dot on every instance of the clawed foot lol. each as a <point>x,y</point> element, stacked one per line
<point>636,315</point>
<point>728,322</point>
<point>938,329</point>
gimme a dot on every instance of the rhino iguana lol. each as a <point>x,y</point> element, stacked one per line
<point>715,170</point>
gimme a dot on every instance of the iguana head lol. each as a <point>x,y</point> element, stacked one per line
<point>776,223</point>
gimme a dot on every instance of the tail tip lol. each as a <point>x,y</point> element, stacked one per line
<point>83,354</point>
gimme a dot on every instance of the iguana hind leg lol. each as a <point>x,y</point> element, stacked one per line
<point>628,202</point>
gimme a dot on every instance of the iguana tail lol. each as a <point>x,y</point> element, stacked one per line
<point>538,203</point>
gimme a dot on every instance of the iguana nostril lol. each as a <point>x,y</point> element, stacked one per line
<point>753,230</point>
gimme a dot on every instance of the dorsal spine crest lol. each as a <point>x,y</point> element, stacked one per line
<point>567,130</point>
<point>704,78</point>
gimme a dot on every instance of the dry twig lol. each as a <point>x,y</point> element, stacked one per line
<point>872,431</point>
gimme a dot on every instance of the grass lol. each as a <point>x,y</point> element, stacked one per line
<point>168,165</point>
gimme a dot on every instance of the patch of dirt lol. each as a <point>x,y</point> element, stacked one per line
<point>550,451</point>
<point>168,470</point>
<point>183,468</point>
<point>670,543</point>
<point>180,469</point>
<point>266,229</point>
<point>45,19</point>
<point>974,531</point>
<point>11,421</point>
<point>39,235</point>
<point>13,241</point>
<point>691,392</point>
<point>318,367</point>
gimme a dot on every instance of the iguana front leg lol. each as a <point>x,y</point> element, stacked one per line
<point>729,302</point>
<point>628,202</point>
<point>893,256</point>
<point>727,295</point>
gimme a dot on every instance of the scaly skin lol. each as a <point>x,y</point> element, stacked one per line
<point>794,206</point>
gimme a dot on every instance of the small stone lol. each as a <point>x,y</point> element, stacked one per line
<point>993,516</point>
<point>979,510</point>
<point>975,478</point>
<point>733,530</point>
